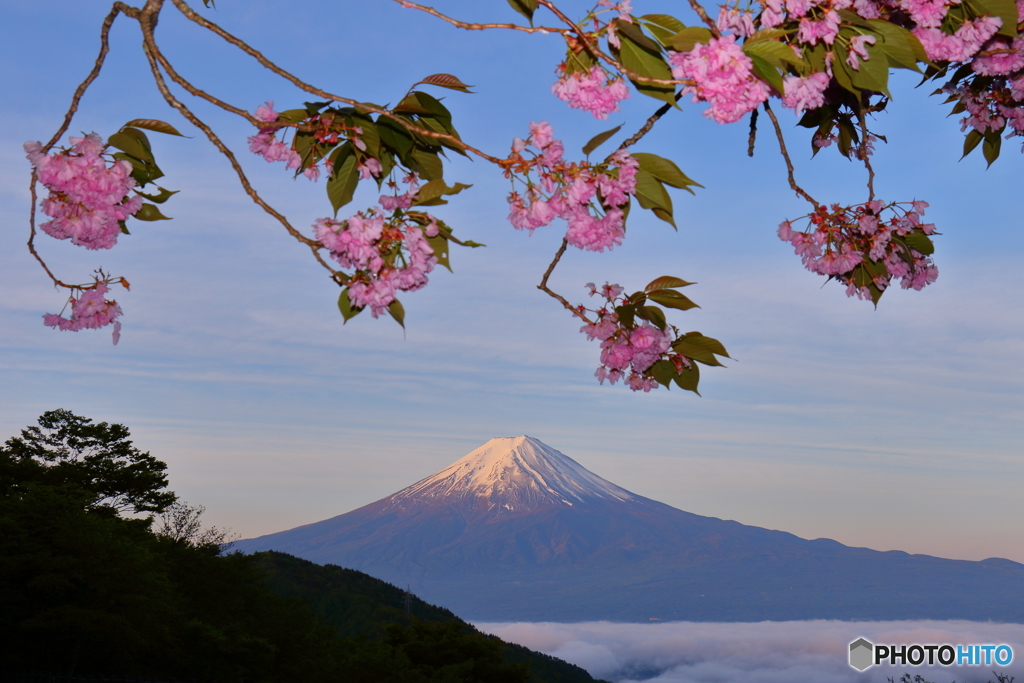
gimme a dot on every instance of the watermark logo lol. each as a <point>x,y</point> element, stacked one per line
<point>864,654</point>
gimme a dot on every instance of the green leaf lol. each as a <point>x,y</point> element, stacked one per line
<point>766,34</point>
<point>689,378</point>
<point>348,311</point>
<point>873,73</point>
<point>700,348</point>
<point>149,212</point>
<point>767,73</point>
<point>160,198</point>
<point>143,172</point>
<point>642,56</point>
<point>431,193</point>
<point>395,136</point>
<point>902,48</point>
<point>446,81</point>
<point>656,316</point>
<point>672,299</point>
<point>775,53</point>
<point>292,115</point>
<point>663,372</point>
<point>427,164</point>
<point>626,313</point>
<point>842,71</point>
<point>662,26</point>
<point>342,184</point>
<point>370,136</point>
<point>134,142</point>
<point>686,39</point>
<point>154,125</point>
<point>599,140</point>
<point>666,281</point>
<point>847,137</point>
<point>665,170</point>
<point>652,195</point>
<point>124,227</point>
<point>525,7</point>
<point>990,147</point>
<point>971,140</point>
<point>920,242</point>
<point>1005,10</point>
<point>397,311</point>
<point>440,246</point>
<point>636,35</point>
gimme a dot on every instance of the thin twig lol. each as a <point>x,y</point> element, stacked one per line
<point>648,125</point>
<point>118,8</point>
<point>193,16</point>
<point>108,22</point>
<point>543,286</point>
<point>752,138</point>
<point>699,9</point>
<point>785,155</point>
<point>480,27</point>
<point>202,94</point>
<point>865,154</point>
<point>147,46</point>
<point>32,234</point>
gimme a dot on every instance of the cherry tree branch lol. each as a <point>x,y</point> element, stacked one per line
<point>790,170</point>
<point>108,22</point>
<point>543,286</point>
<point>865,153</point>
<point>699,9</point>
<point>193,16</point>
<point>150,49</point>
<point>480,27</point>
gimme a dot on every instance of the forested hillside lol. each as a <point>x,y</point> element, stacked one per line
<point>103,572</point>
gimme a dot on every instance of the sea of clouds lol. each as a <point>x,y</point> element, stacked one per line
<point>765,652</point>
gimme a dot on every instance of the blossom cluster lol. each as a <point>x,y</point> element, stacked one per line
<point>627,351</point>
<point>861,247</point>
<point>87,197</point>
<point>589,198</point>
<point>387,248</point>
<point>89,311</point>
<point>590,91</point>
<point>723,78</point>
<point>325,128</point>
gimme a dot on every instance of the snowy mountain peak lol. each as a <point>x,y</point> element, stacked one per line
<point>514,473</point>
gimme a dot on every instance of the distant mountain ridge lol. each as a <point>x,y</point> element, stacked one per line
<point>516,530</point>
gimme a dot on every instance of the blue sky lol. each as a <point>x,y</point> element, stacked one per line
<point>896,428</point>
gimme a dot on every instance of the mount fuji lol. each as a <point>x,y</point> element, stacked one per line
<point>516,530</point>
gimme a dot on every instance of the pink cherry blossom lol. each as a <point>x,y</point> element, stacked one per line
<point>927,13</point>
<point>805,93</point>
<point>734,20</point>
<point>591,91</point>
<point>367,243</point>
<point>588,198</point>
<point>87,198</point>
<point>825,29</point>
<point>1000,57</point>
<point>89,311</point>
<point>858,50</point>
<point>723,78</point>
<point>840,239</point>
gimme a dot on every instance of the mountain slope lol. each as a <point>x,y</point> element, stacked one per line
<point>517,530</point>
<point>357,604</point>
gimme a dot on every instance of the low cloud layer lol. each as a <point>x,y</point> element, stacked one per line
<point>766,652</point>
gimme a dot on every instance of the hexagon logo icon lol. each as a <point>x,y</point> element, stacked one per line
<point>861,654</point>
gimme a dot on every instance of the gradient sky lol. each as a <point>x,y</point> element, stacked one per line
<point>897,428</point>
